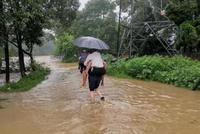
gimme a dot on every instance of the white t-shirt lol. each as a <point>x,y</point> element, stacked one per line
<point>95,59</point>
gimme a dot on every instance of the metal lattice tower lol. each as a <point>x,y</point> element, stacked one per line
<point>135,35</point>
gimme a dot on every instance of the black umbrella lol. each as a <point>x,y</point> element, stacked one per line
<point>91,43</point>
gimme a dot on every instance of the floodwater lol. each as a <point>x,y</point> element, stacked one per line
<point>59,106</point>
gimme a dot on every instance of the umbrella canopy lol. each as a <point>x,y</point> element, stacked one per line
<point>91,43</point>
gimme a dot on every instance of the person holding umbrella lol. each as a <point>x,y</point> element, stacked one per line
<point>94,62</point>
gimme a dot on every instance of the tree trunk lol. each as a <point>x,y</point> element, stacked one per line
<point>20,54</point>
<point>198,5</point>
<point>6,52</point>
<point>19,43</point>
<point>32,60</point>
<point>31,54</point>
<point>4,35</point>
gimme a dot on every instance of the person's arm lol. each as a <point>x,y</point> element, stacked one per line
<point>87,60</point>
<point>88,66</point>
<point>104,64</point>
<point>85,73</point>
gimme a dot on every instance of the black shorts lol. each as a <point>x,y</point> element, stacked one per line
<point>82,67</point>
<point>94,82</point>
<point>95,71</point>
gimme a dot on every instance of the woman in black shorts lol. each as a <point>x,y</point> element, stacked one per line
<point>95,71</point>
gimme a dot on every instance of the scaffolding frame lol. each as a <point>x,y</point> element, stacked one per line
<point>135,35</point>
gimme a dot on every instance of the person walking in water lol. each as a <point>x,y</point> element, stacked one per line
<point>82,67</point>
<point>82,58</point>
<point>95,71</point>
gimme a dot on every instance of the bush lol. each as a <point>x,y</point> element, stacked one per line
<point>117,68</point>
<point>188,36</point>
<point>107,57</point>
<point>178,70</point>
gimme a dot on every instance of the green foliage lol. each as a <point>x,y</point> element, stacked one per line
<point>107,57</point>
<point>61,13</point>
<point>185,14</point>
<point>181,10</point>
<point>27,82</point>
<point>97,19</point>
<point>188,39</point>
<point>188,33</point>
<point>179,71</point>
<point>65,47</point>
<point>25,20</point>
<point>33,30</point>
<point>117,69</point>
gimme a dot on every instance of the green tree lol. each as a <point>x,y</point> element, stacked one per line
<point>22,22</point>
<point>65,47</point>
<point>61,13</point>
<point>33,31</point>
<point>97,19</point>
<point>21,13</point>
<point>188,38</point>
<point>198,5</point>
<point>181,10</point>
<point>184,14</point>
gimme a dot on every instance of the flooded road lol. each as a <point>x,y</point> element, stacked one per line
<point>59,106</point>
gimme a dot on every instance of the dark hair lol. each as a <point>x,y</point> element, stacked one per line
<point>92,50</point>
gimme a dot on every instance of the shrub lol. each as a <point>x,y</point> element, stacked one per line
<point>178,70</point>
<point>107,57</point>
<point>117,69</point>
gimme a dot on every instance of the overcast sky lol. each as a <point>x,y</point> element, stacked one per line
<point>83,2</point>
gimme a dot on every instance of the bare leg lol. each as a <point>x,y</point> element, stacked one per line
<point>102,81</point>
<point>92,96</point>
<point>100,95</point>
<point>84,77</point>
<point>85,74</point>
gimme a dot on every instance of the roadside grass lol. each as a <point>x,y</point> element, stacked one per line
<point>70,60</point>
<point>179,71</point>
<point>28,82</point>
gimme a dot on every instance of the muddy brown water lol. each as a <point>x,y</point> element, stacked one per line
<point>59,106</point>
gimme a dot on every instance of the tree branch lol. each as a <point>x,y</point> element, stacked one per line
<point>14,44</point>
